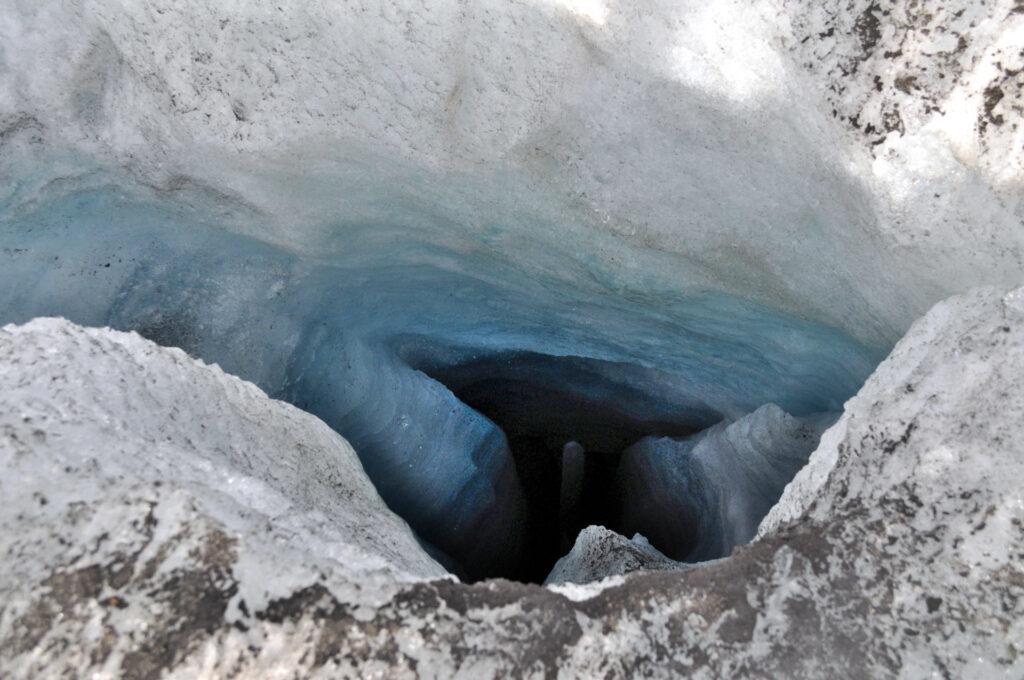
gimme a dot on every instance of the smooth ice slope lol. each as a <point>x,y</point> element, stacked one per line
<point>699,497</point>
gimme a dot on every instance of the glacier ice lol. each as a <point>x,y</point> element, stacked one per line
<point>468,234</point>
<point>372,215</point>
<point>701,496</point>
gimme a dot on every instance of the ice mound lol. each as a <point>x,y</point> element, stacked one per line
<point>599,553</point>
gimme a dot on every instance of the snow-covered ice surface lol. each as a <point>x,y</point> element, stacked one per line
<point>957,376</point>
<point>904,560</point>
<point>845,161</point>
<point>128,461</point>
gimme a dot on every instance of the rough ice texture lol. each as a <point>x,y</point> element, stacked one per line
<point>851,161</point>
<point>599,553</point>
<point>165,493</point>
<point>957,378</point>
<point>697,498</point>
<point>905,562</point>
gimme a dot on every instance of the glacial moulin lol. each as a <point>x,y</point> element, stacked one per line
<point>170,507</point>
<point>457,376</point>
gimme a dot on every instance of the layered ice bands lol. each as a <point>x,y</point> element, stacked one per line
<point>701,496</point>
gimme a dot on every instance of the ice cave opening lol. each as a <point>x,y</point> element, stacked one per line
<point>597,443</point>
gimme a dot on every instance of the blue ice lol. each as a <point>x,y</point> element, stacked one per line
<point>355,334</point>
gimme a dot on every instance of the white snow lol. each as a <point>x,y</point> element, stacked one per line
<point>692,143</point>
<point>95,418</point>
